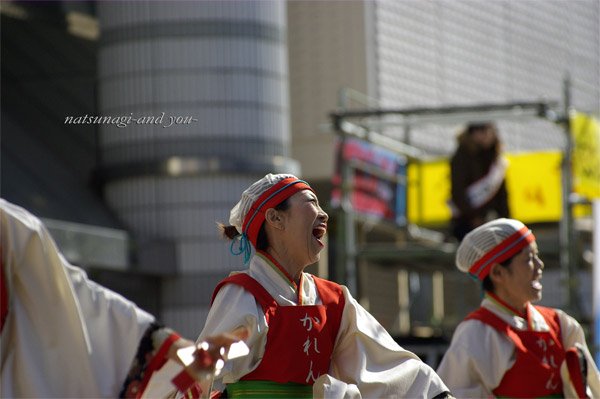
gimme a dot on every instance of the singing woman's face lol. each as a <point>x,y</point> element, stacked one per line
<point>306,224</point>
<point>521,282</point>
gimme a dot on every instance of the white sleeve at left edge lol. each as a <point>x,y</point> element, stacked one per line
<point>65,336</point>
<point>115,325</point>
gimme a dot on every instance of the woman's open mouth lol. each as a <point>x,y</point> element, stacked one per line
<point>319,232</point>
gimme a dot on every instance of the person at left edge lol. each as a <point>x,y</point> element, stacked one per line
<point>308,336</point>
<point>65,336</point>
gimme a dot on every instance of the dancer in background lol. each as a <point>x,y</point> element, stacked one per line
<point>509,347</point>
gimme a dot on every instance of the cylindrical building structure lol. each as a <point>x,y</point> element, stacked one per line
<point>202,92</point>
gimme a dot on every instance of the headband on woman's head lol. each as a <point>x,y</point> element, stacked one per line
<point>248,214</point>
<point>490,243</point>
<point>501,252</point>
<point>270,199</point>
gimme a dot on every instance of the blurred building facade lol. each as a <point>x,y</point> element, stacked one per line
<point>259,78</point>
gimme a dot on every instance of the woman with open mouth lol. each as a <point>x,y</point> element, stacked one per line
<point>308,336</point>
<point>509,347</point>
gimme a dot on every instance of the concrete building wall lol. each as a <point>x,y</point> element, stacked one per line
<point>327,51</point>
<point>434,53</point>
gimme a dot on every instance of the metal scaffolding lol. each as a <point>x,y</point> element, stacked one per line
<point>366,124</point>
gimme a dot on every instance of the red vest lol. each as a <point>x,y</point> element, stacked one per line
<point>536,372</point>
<point>300,340</point>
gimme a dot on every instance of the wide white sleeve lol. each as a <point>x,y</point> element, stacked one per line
<point>46,345</point>
<point>65,336</point>
<point>115,324</point>
<point>476,360</point>
<point>572,335</point>
<point>233,307</point>
<point>367,357</point>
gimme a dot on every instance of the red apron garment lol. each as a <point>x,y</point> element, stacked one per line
<point>300,339</point>
<point>536,372</point>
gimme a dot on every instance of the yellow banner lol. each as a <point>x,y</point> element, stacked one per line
<point>585,131</point>
<point>428,192</point>
<point>533,183</point>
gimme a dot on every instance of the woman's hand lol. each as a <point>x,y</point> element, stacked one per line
<point>205,359</point>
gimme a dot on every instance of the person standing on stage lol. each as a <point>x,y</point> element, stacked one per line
<point>477,172</point>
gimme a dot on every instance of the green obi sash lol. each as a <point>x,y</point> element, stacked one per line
<point>268,390</point>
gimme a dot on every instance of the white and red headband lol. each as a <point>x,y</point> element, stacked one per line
<point>493,242</point>
<point>270,199</point>
<point>249,213</point>
<point>501,252</point>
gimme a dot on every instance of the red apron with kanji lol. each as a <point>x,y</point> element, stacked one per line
<point>536,372</point>
<point>301,338</point>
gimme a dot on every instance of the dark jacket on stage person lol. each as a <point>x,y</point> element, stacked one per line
<point>478,172</point>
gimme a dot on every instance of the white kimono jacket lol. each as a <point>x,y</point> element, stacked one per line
<point>366,361</point>
<point>474,371</point>
<point>64,336</point>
